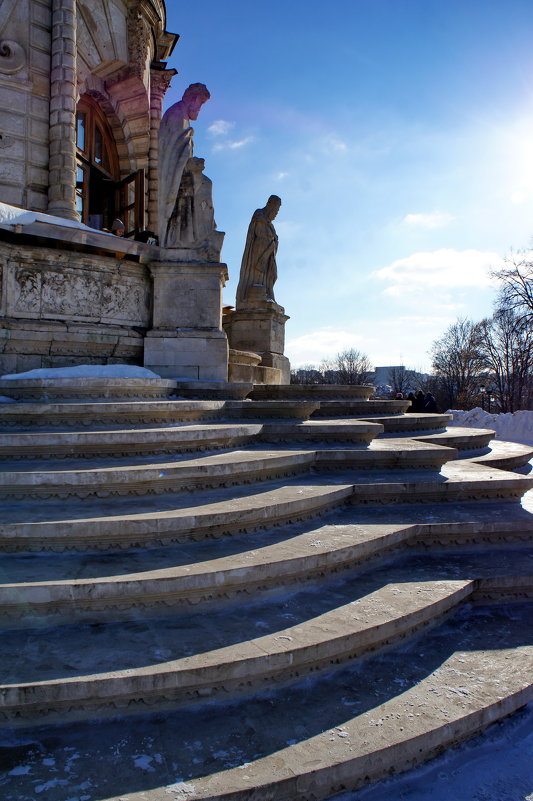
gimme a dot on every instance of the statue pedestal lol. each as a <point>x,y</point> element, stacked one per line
<point>187,341</point>
<point>260,327</point>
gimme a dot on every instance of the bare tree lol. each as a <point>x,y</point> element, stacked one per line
<point>517,289</point>
<point>402,380</point>
<point>351,367</point>
<point>458,363</point>
<point>507,349</point>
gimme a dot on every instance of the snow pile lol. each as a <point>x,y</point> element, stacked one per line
<point>511,427</point>
<point>12,215</point>
<point>85,371</point>
<point>5,399</point>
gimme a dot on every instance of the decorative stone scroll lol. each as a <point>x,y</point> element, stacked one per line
<point>12,57</point>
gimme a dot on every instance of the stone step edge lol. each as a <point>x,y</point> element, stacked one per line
<point>250,666</point>
<point>390,738</point>
<point>463,482</point>
<point>302,558</point>
<point>213,471</point>
<point>173,438</point>
<point>340,634</point>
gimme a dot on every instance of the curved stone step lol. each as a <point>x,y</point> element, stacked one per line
<point>131,523</point>
<point>312,740</point>
<point>343,633</point>
<point>356,408</point>
<point>311,392</point>
<point>104,413</point>
<point>460,437</point>
<point>163,585</point>
<point>84,479</point>
<point>410,423</point>
<point>505,455</point>
<point>175,439</point>
<point>469,691</point>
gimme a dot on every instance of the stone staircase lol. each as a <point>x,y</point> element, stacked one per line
<point>278,598</point>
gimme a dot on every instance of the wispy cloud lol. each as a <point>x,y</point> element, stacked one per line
<point>220,128</point>
<point>439,269</point>
<point>233,144</point>
<point>280,176</point>
<point>437,219</point>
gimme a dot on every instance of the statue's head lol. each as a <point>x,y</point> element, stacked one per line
<point>194,97</point>
<point>195,164</point>
<point>272,206</point>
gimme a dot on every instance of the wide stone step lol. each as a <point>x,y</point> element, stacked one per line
<point>181,438</point>
<point>79,478</point>
<point>360,408</point>
<point>130,522</point>
<point>45,592</point>
<point>82,667</point>
<point>25,415</point>
<point>312,740</point>
<point>311,392</point>
<point>460,437</point>
<point>504,455</point>
<point>344,632</point>
<point>410,423</point>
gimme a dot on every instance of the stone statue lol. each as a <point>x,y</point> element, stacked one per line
<point>192,221</point>
<point>175,148</point>
<point>258,267</point>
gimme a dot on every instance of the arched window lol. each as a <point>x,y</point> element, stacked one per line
<point>100,194</point>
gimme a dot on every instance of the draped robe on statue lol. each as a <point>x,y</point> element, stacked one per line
<point>258,269</point>
<point>175,148</point>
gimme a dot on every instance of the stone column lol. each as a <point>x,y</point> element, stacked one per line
<point>159,83</point>
<point>63,98</point>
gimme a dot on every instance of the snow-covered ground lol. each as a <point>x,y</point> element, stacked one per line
<point>85,371</point>
<point>512,427</point>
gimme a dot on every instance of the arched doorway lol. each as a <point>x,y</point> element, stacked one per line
<point>101,195</point>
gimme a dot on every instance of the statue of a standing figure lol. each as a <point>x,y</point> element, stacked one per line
<point>258,268</point>
<point>175,148</point>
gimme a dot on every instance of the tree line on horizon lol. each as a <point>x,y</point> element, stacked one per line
<point>486,363</point>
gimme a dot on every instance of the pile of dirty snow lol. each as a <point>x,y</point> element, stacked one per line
<point>511,427</point>
<point>85,371</point>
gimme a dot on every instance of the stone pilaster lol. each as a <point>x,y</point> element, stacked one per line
<point>63,97</point>
<point>159,83</point>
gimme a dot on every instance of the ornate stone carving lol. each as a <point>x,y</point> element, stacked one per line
<point>138,40</point>
<point>12,56</point>
<point>258,267</point>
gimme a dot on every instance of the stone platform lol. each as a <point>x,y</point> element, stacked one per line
<point>279,599</point>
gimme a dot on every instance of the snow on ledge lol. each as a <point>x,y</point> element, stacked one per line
<point>84,371</point>
<point>12,215</point>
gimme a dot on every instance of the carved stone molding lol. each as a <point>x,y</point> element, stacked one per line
<point>138,40</point>
<point>12,57</point>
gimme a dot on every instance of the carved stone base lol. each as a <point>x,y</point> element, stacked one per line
<point>260,328</point>
<point>187,341</point>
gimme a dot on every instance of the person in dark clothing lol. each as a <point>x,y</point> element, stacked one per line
<point>418,404</point>
<point>411,397</point>
<point>430,404</point>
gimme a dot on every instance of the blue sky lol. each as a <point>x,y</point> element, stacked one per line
<point>399,135</point>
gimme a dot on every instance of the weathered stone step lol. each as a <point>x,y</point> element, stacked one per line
<point>314,739</point>
<point>460,437</point>
<point>45,592</point>
<point>100,413</point>
<point>185,437</point>
<point>311,392</point>
<point>217,469</point>
<point>360,408</point>
<point>162,519</point>
<point>410,423</point>
<point>79,671</point>
<point>342,633</point>
<point>505,455</point>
